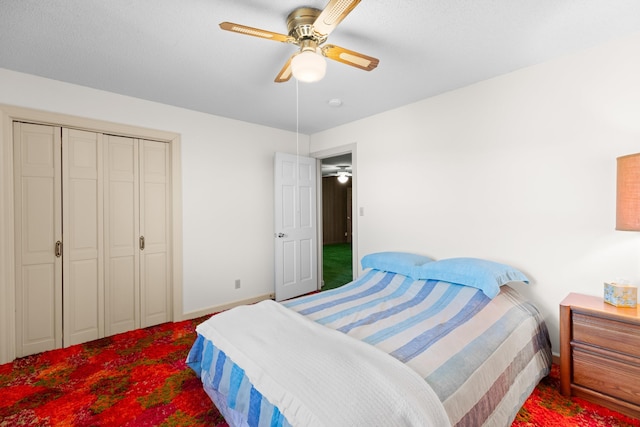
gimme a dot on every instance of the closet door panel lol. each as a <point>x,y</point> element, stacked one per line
<point>121,238</point>
<point>155,301</point>
<point>38,205</point>
<point>83,263</point>
<point>82,202</point>
<point>39,289</point>
<point>154,226</point>
<point>155,220</point>
<point>122,311</point>
<point>82,303</point>
<point>38,225</point>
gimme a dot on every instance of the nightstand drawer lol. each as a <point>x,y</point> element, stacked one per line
<point>607,333</point>
<point>607,375</point>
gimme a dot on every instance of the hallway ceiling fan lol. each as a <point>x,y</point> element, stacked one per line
<point>342,172</point>
<point>309,28</point>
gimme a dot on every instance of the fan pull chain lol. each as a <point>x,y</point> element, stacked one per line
<point>297,136</point>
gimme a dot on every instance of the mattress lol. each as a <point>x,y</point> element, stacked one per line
<point>481,357</point>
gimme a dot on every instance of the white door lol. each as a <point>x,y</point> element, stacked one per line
<point>295,226</point>
<point>38,226</point>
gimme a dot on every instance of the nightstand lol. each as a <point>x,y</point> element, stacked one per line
<point>600,353</point>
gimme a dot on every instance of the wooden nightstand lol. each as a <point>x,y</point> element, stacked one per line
<point>600,353</point>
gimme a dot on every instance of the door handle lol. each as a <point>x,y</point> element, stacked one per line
<point>281,235</point>
<point>142,243</point>
<point>58,249</point>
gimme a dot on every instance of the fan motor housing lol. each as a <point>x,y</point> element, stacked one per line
<point>300,24</point>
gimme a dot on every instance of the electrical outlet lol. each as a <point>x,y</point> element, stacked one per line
<point>237,283</point>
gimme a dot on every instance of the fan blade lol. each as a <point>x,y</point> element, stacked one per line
<point>285,74</point>
<point>256,32</point>
<point>350,57</point>
<point>332,15</point>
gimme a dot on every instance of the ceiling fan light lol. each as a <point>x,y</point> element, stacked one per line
<point>342,177</point>
<point>308,66</point>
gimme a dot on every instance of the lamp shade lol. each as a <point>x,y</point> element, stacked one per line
<point>308,66</point>
<point>628,193</point>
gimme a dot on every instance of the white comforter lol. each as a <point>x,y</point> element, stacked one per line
<point>318,376</point>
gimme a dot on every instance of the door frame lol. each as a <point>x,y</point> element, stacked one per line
<point>9,114</point>
<point>325,154</point>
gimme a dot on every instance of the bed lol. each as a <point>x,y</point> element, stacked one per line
<point>408,343</point>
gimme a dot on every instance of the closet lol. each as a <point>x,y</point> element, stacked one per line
<point>92,227</point>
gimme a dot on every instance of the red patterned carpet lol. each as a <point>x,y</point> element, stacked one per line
<point>547,407</point>
<point>139,378</point>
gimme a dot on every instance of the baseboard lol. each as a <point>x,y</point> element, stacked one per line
<point>223,307</point>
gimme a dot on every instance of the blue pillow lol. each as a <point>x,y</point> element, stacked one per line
<point>395,262</point>
<point>478,273</point>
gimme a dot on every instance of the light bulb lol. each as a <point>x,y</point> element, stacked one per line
<point>342,178</point>
<point>308,66</point>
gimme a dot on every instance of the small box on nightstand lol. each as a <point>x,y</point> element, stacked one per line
<point>620,295</point>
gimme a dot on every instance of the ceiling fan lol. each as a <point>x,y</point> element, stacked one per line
<point>341,172</point>
<point>309,28</point>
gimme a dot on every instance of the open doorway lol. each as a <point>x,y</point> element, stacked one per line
<point>337,226</point>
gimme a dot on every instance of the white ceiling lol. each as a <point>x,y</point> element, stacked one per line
<point>173,52</point>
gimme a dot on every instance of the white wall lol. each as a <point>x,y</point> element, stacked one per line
<point>519,169</point>
<point>227,177</point>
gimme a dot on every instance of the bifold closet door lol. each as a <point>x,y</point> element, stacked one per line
<point>155,277</point>
<point>38,237</point>
<point>137,277</point>
<point>82,225</point>
<point>109,197</point>
<point>58,193</point>
<point>121,237</point>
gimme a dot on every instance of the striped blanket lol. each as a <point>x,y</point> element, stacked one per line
<point>481,356</point>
